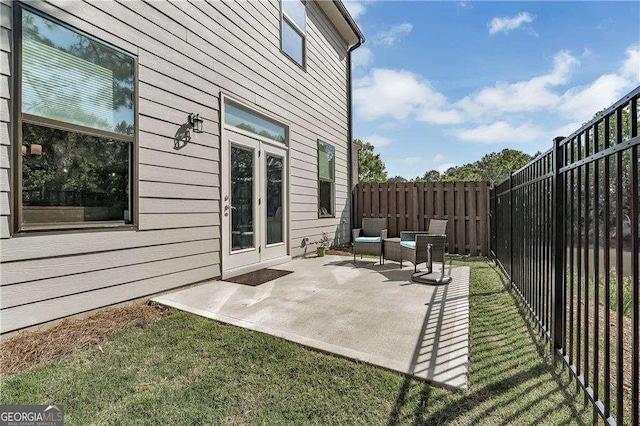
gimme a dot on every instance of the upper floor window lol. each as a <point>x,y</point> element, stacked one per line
<point>294,29</point>
<point>77,126</point>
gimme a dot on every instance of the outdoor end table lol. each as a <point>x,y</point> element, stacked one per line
<point>391,249</point>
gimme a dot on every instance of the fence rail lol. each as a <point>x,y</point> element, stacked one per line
<point>564,229</point>
<point>409,206</point>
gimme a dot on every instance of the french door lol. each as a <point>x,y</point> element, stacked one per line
<point>254,202</point>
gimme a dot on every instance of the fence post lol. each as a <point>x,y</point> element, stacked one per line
<point>558,246</point>
<point>511,279</point>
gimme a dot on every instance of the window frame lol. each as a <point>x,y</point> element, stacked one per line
<point>332,181</point>
<point>18,227</point>
<point>284,18</point>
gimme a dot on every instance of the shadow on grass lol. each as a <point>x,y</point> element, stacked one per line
<point>512,376</point>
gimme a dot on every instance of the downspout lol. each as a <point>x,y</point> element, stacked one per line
<point>350,137</point>
<point>345,13</point>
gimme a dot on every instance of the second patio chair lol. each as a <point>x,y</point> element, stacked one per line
<point>368,239</point>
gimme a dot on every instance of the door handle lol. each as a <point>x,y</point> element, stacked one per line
<point>227,207</point>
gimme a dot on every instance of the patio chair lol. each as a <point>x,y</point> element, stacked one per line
<point>368,239</point>
<point>437,226</point>
<point>415,248</point>
<point>415,244</point>
<point>436,244</point>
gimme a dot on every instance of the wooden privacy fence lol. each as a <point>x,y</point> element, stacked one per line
<point>409,206</point>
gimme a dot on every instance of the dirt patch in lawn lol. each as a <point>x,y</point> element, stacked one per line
<point>29,349</point>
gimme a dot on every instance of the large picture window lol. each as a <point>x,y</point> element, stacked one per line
<point>77,126</point>
<point>294,27</point>
<point>326,179</point>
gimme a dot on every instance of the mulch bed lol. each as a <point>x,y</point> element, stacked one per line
<point>28,349</point>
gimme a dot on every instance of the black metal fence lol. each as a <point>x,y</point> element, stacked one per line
<point>564,229</point>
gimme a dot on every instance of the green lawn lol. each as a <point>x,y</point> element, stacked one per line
<point>185,369</point>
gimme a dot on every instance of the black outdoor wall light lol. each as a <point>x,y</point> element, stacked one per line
<point>196,122</point>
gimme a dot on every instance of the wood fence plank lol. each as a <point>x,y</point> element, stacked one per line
<point>393,210</point>
<point>483,222</point>
<point>415,208</point>
<point>450,214</point>
<point>375,199</point>
<point>367,200</point>
<point>461,220</point>
<point>421,205</point>
<point>402,207</point>
<point>428,203</point>
<point>384,201</point>
<point>472,224</point>
<point>439,201</point>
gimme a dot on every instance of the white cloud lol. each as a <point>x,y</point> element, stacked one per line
<point>392,35</point>
<point>507,24</point>
<point>356,8</point>
<point>522,96</point>
<point>361,58</point>
<point>400,95</point>
<point>444,167</point>
<point>377,140</point>
<point>410,161</point>
<point>438,158</point>
<point>581,103</point>
<point>501,132</point>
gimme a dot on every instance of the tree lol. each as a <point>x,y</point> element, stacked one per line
<point>431,176</point>
<point>397,179</point>
<point>371,168</point>
<point>493,167</point>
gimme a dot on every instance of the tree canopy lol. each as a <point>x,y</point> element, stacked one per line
<point>493,167</point>
<point>371,168</point>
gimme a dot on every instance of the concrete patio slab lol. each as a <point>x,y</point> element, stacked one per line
<point>367,312</point>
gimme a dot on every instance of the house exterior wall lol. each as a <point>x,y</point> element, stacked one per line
<point>188,52</point>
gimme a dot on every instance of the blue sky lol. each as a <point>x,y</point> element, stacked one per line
<point>443,83</point>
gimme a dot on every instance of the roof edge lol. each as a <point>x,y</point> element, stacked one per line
<point>352,23</point>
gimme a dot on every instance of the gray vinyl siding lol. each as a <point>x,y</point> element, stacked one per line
<point>188,52</point>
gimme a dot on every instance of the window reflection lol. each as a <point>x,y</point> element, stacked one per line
<point>274,199</point>
<point>69,77</point>
<point>72,177</point>
<point>242,233</point>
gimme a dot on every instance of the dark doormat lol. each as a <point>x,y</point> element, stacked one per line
<point>258,277</point>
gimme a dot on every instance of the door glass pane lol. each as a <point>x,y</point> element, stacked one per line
<point>67,76</point>
<point>274,199</point>
<point>242,187</point>
<point>73,177</point>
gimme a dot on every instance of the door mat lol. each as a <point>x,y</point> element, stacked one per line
<point>258,277</point>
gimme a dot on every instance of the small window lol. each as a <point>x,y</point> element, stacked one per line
<point>77,128</point>
<point>326,179</point>
<point>240,118</point>
<point>294,29</point>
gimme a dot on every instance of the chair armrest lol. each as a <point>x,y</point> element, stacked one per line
<point>383,234</point>
<point>410,235</point>
<point>356,233</point>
